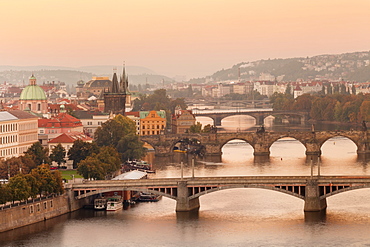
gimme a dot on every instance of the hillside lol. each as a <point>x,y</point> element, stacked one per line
<point>348,66</point>
<point>20,74</point>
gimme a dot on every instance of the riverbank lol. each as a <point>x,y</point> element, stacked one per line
<point>33,211</point>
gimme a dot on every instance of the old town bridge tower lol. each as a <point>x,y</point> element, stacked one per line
<point>115,97</point>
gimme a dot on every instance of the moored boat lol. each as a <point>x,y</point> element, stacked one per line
<point>148,197</point>
<point>114,203</point>
<point>100,204</point>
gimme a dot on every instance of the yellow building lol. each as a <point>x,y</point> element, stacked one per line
<point>152,122</point>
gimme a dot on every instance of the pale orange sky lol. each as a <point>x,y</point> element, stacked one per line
<point>173,37</point>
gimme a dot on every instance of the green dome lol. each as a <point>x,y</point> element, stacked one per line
<point>33,92</point>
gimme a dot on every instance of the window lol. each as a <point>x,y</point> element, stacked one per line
<point>51,204</point>
<point>44,205</point>
<point>38,207</point>
<point>99,123</point>
<point>31,209</point>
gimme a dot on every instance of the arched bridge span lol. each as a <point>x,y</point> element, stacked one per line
<point>261,142</point>
<point>186,191</point>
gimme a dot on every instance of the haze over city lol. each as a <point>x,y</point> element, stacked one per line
<point>190,38</point>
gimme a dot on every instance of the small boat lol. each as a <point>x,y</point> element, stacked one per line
<point>100,204</point>
<point>148,197</point>
<point>114,203</point>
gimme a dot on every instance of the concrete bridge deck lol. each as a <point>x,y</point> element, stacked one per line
<point>186,191</point>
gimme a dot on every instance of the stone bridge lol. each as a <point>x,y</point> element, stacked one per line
<point>259,114</point>
<point>261,142</point>
<point>186,191</point>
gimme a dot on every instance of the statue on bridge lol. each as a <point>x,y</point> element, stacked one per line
<point>261,130</point>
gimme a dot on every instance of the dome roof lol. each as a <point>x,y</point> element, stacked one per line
<point>33,92</point>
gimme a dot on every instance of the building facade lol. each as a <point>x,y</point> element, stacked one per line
<point>152,122</point>
<point>33,98</point>
<point>18,131</point>
<point>182,120</point>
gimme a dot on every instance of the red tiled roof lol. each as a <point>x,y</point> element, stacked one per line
<point>70,137</point>
<point>62,120</point>
<point>133,113</point>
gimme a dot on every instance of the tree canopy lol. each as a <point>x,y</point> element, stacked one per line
<point>58,154</point>
<point>39,154</point>
<point>80,150</point>
<point>111,132</point>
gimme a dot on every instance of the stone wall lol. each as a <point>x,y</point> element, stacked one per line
<point>29,213</point>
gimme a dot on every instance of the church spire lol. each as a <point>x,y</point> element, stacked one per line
<point>115,88</point>
<point>123,80</point>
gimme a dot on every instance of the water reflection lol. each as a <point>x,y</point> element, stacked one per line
<point>315,217</point>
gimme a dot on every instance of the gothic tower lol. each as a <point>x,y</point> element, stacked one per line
<point>115,97</point>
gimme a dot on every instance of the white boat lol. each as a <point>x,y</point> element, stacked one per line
<point>114,203</point>
<point>100,204</point>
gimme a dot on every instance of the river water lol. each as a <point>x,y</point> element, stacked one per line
<point>236,217</point>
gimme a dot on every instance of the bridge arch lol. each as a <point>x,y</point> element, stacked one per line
<point>344,190</point>
<point>340,134</point>
<point>274,141</point>
<point>96,192</point>
<point>247,186</point>
<point>224,142</point>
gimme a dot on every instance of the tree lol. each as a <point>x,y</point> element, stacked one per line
<point>39,154</point>
<point>113,130</point>
<point>33,185</point>
<point>110,160</point>
<point>80,150</point>
<point>90,168</point>
<point>196,128</point>
<point>19,188</point>
<point>130,147</point>
<point>5,194</point>
<point>45,180</point>
<point>58,182</point>
<point>58,154</point>
<point>365,110</point>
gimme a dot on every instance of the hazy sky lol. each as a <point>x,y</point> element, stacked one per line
<point>178,37</point>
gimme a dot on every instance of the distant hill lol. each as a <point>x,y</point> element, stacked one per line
<point>348,66</point>
<point>69,75</point>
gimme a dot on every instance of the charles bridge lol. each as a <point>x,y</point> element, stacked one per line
<point>261,142</point>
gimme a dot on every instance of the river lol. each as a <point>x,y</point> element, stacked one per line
<point>235,217</point>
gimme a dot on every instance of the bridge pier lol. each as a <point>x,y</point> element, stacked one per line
<point>261,149</point>
<point>183,203</point>
<point>312,201</point>
<point>313,148</point>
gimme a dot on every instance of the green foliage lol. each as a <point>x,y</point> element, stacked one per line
<point>196,128</point>
<point>113,130</point>
<point>130,147</point>
<point>334,107</point>
<point>19,188</point>
<point>5,194</point>
<point>91,168</point>
<point>39,154</point>
<point>159,100</point>
<point>58,154</point>
<point>100,166</point>
<point>80,150</point>
<point>46,183</point>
